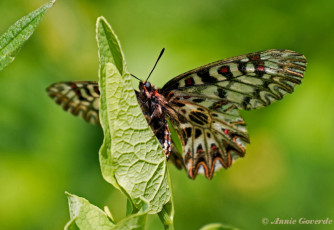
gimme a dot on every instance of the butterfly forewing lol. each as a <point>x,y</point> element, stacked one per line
<point>248,81</point>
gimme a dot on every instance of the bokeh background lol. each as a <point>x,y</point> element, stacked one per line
<point>288,170</point>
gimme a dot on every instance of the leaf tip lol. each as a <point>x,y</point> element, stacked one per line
<point>50,4</point>
<point>68,194</point>
<point>101,18</point>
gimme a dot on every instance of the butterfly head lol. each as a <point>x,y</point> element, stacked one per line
<point>146,88</point>
<point>147,85</point>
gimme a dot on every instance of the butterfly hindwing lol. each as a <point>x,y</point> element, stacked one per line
<point>79,98</point>
<point>248,81</point>
<point>212,138</point>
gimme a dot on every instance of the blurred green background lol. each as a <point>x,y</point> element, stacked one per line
<point>288,170</point>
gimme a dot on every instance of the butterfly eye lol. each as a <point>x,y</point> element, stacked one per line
<point>147,85</point>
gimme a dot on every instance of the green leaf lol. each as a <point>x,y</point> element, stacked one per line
<point>218,226</point>
<point>175,138</point>
<point>86,216</point>
<point>131,156</point>
<point>109,50</point>
<point>129,208</point>
<point>135,162</point>
<point>138,161</point>
<point>134,222</point>
<point>166,215</point>
<point>109,46</point>
<point>12,40</point>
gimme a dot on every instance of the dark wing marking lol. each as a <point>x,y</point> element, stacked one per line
<point>80,98</point>
<point>249,81</point>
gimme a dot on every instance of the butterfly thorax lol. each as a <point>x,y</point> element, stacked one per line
<point>153,105</point>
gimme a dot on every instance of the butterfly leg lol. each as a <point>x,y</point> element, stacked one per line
<point>167,141</point>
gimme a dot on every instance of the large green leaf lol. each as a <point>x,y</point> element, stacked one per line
<point>109,51</point>
<point>12,40</point>
<point>135,162</point>
<point>138,161</point>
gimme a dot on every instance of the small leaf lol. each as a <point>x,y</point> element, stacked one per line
<point>12,40</point>
<point>131,156</point>
<point>166,215</point>
<point>134,222</point>
<point>86,216</point>
<point>218,226</point>
<point>107,211</point>
<point>129,208</point>
<point>175,138</point>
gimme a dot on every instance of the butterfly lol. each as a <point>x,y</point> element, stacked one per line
<point>202,105</point>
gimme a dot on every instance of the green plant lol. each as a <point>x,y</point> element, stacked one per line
<point>131,157</point>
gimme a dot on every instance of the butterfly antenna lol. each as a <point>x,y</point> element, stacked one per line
<point>161,53</point>
<point>135,77</point>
